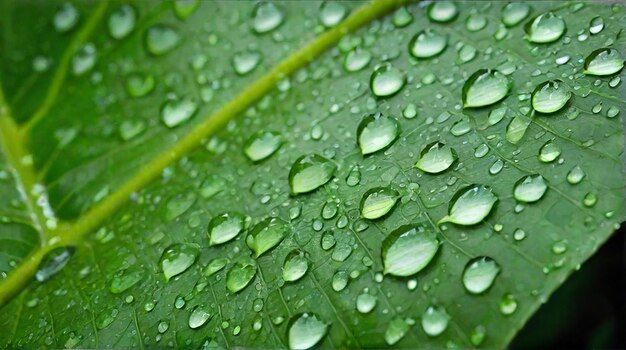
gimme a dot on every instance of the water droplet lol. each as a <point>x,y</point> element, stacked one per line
<point>266,17</point>
<point>604,62</point>
<point>331,13</point>
<point>266,235</point>
<point>442,11</point>
<point>340,280</point>
<point>357,59</point>
<point>225,227</point>
<point>590,200</point>
<point>549,152</point>
<point>65,18</point>
<point>517,128</point>
<point>550,96</point>
<point>436,157</point>
<point>84,59</point>
<point>519,234</point>
<point>467,53</point>
<point>244,62</point>
<point>241,274</point>
<point>496,167</point>
<point>131,128</point>
<point>545,28</point>
<point>328,241</point>
<point>402,17</point>
<point>514,12</point>
<point>176,112</point>
<point>306,330</point>
<point>408,249</point>
<point>396,330</point>
<point>262,144</point>
<point>427,43</point>
<point>387,80</point>
<point>354,176</point>
<point>122,22</point>
<point>530,188</point>
<point>185,8</point>
<point>612,112</point>
<point>198,317</point>
<point>485,87</point>
<point>178,205</point>
<point>295,266</point>
<point>508,304</point>
<point>214,266</point>
<point>481,150</point>
<point>366,302</point>
<point>138,85</point>
<point>470,205</point>
<point>377,202</point>
<point>163,327</point>
<point>596,25</point>
<point>53,262</point>
<point>310,172</point>
<point>478,335</point>
<point>177,258</point>
<point>124,280</point>
<point>435,320</point>
<point>161,39</point>
<point>475,22</point>
<point>479,274</point>
<point>376,132</point>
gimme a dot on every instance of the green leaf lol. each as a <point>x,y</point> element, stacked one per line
<point>126,128</point>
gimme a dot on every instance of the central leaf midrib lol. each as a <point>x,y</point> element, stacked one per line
<point>211,123</point>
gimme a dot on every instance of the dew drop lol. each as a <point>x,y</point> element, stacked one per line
<point>198,317</point>
<point>508,304</point>
<point>435,320</point>
<point>402,17</point>
<point>178,205</point>
<point>603,62</point>
<point>262,144</point>
<point>396,330</point>
<point>386,80</point>
<point>328,241</point>
<point>214,266</point>
<point>357,59</point>
<point>245,62</point>
<point>241,274</point>
<point>84,59</point>
<point>470,205</point>
<point>176,112</point>
<point>612,112</point>
<point>366,302</point>
<point>161,39</point>
<point>53,262</point>
<point>266,17</point>
<point>550,96</point>
<point>442,11</point>
<point>177,258</point>
<point>485,87</point>
<point>479,274</point>
<point>139,85</point>
<point>225,227</point>
<point>295,266</point>
<point>427,43</point>
<point>514,12</point>
<point>436,157</point>
<point>266,235</point>
<point>496,167</point>
<point>331,13</point>
<point>377,202</point>
<point>596,25</point>
<point>310,172</point>
<point>408,249</point>
<point>376,132</point>
<point>530,188</point>
<point>545,28</point>
<point>517,128</point>
<point>122,22</point>
<point>475,22</point>
<point>185,8</point>
<point>121,282</point>
<point>65,18</point>
<point>306,330</point>
<point>549,152</point>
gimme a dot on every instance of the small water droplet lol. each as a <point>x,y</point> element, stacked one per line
<point>65,18</point>
<point>550,96</point>
<point>198,317</point>
<point>185,8</point>
<point>427,43</point>
<point>124,280</point>
<point>354,176</point>
<point>161,39</point>
<point>262,144</point>
<point>310,172</point>
<point>295,266</point>
<point>396,330</point>
<point>545,28</point>
<point>176,112</point>
<point>178,205</point>
<point>485,87</point>
<point>612,112</point>
<point>53,262</point>
<point>596,25</point>
<point>470,205</point>
<point>387,80</point>
<point>402,17</point>
<point>244,62</point>
<point>177,258</point>
<point>496,167</point>
<point>328,240</point>
<point>508,304</point>
<point>590,199</point>
<point>122,22</point>
<point>377,202</point>
<point>241,274</point>
<point>479,274</point>
<point>376,132</point>
<point>139,85</point>
<point>408,249</point>
<point>477,336</point>
<point>306,330</point>
<point>331,13</point>
<point>214,266</point>
<point>225,227</point>
<point>266,17</point>
<point>549,152</point>
<point>84,59</point>
<point>435,320</point>
<point>357,59</point>
<point>266,235</point>
<point>366,302</point>
<point>475,22</point>
<point>517,128</point>
<point>519,234</point>
<point>530,188</point>
<point>436,157</point>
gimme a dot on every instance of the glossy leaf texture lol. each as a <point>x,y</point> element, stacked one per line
<point>102,100</point>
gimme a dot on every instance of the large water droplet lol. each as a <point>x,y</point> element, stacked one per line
<point>387,80</point>
<point>310,172</point>
<point>266,17</point>
<point>306,330</point>
<point>479,274</point>
<point>161,39</point>
<point>53,262</point>
<point>295,266</point>
<point>225,227</point>
<point>377,202</point>
<point>396,330</point>
<point>436,157</point>
<point>376,132</point>
<point>122,22</point>
<point>198,317</point>
<point>65,18</point>
<point>177,258</point>
<point>427,43</point>
<point>244,62</point>
<point>549,152</point>
<point>266,235</point>
<point>485,87</point>
<point>470,205</point>
<point>545,28</point>
<point>241,274</point>
<point>550,96</point>
<point>408,249</point>
<point>435,320</point>
<point>596,25</point>
<point>176,112</point>
<point>331,13</point>
<point>366,302</point>
<point>530,188</point>
<point>442,11</point>
<point>516,129</point>
<point>604,62</point>
<point>514,12</point>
